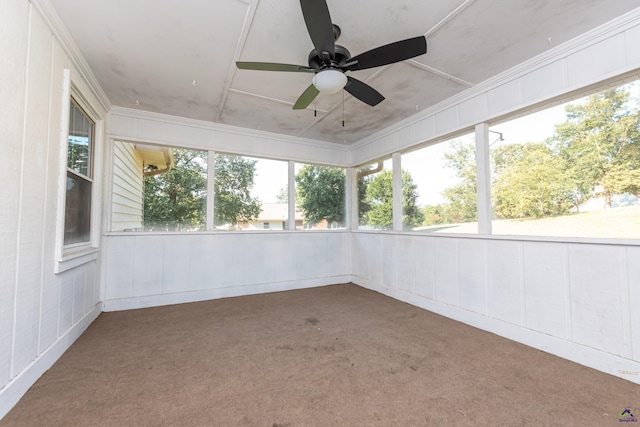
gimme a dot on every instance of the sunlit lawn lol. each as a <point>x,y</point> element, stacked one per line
<point>623,223</point>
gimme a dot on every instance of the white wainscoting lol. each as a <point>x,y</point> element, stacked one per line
<point>144,270</point>
<point>574,300</point>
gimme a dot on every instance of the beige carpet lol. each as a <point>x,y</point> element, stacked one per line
<point>337,355</point>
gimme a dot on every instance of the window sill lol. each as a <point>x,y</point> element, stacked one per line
<point>76,258</point>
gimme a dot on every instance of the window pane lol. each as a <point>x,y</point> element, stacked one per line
<point>175,188</point>
<point>320,197</point>
<point>250,193</point>
<point>439,187</point>
<point>375,198</point>
<point>79,141</point>
<point>77,219</point>
<point>572,170</point>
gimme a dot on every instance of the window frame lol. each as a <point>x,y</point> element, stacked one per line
<point>69,256</point>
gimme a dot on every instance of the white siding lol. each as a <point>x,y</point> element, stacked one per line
<point>41,313</point>
<point>128,188</point>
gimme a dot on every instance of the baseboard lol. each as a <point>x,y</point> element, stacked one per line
<point>18,386</point>
<point>593,358</point>
<point>223,292</point>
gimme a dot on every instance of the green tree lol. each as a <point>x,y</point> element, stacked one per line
<point>379,197</point>
<point>234,177</point>
<point>176,200</point>
<point>432,215</point>
<point>321,194</point>
<point>529,182</point>
<point>600,145</point>
<point>461,199</point>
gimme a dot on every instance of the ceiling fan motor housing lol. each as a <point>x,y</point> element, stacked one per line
<point>341,58</point>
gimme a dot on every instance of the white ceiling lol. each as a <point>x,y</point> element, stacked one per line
<point>178,56</point>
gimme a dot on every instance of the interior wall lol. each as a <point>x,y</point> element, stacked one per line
<point>41,313</point>
<point>151,269</point>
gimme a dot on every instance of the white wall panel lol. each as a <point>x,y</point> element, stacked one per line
<point>446,285</point>
<point>505,281</point>
<point>199,270</point>
<point>376,269</point>
<point>546,287</point>
<point>425,266</point>
<point>596,309</point>
<point>175,264</point>
<point>389,264</point>
<point>631,46</point>
<point>212,265</point>
<point>118,267</point>
<point>65,314</point>
<point>425,130</point>
<point>473,275</point>
<point>13,44</point>
<point>544,82</point>
<point>446,120</point>
<point>33,185</point>
<point>504,98</point>
<point>405,258</point>
<point>79,292</point>
<point>632,299</point>
<point>611,55</point>
<point>147,272</point>
<point>473,110</point>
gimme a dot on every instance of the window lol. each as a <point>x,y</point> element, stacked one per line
<point>175,188</point>
<point>320,196</point>
<point>80,146</point>
<point>375,196</point>
<point>250,192</point>
<point>439,187</point>
<point>571,170</point>
<point>158,188</point>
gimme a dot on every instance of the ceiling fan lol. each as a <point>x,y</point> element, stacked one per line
<point>329,61</point>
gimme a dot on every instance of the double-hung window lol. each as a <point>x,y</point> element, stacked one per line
<point>77,218</point>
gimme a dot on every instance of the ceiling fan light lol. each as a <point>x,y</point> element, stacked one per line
<point>330,81</point>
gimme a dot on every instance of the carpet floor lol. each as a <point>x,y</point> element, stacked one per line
<point>336,355</point>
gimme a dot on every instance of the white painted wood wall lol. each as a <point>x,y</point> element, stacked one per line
<point>41,313</point>
<point>144,270</point>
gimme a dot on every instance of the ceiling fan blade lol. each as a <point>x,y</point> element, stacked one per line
<point>306,98</point>
<point>270,66</point>
<point>388,54</point>
<point>318,20</point>
<point>363,92</point>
